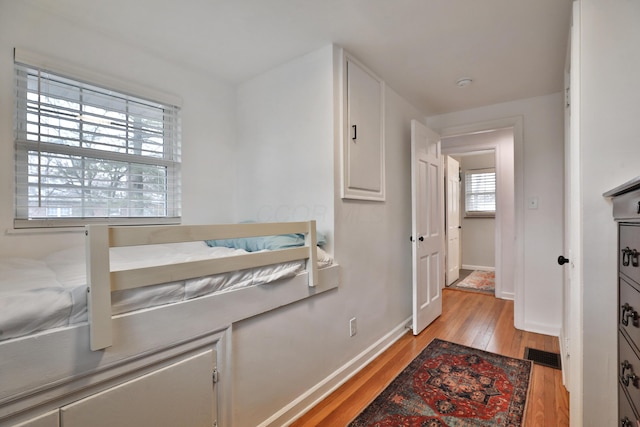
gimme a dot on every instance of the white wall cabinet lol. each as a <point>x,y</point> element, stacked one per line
<point>181,393</point>
<point>50,419</point>
<point>363,148</point>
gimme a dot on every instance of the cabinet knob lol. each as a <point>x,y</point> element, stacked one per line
<point>627,376</point>
<point>629,313</point>
<point>562,260</point>
<point>630,256</point>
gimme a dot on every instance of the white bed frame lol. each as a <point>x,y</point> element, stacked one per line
<point>50,369</point>
<point>102,281</point>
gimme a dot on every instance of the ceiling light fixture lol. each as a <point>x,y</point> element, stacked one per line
<point>463,82</point>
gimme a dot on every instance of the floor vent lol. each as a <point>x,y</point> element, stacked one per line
<point>544,358</point>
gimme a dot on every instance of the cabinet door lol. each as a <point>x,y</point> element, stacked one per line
<point>363,139</point>
<point>180,394</point>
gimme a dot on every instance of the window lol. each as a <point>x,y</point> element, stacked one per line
<point>88,153</point>
<point>480,192</point>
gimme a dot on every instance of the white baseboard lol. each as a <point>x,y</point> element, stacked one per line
<point>477,267</point>
<point>507,295</point>
<point>538,328</point>
<point>317,393</point>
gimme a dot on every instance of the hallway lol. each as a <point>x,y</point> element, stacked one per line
<point>468,318</point>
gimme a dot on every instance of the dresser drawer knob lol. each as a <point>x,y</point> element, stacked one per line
<point>630,256</point>
<point>627,376</point>
<point>629,313</point>
<point>626,256</point>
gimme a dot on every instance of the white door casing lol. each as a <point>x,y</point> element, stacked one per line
<point>428,237</point>
<point>453,219</point>
<point>509,250</point>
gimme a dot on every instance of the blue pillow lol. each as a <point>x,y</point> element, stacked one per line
<point>253,244</point>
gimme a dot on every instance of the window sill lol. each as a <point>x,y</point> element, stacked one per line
<point>488,215</point>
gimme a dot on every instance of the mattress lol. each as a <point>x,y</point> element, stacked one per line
<point>47,293</point>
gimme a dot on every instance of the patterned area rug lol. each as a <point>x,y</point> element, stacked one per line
<point>452,385</point>
<point>479,281</point>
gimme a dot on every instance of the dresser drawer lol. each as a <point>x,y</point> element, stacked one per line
<point>628,417</point>
<point>629,370</point>
<point>629,312</point>
<point>629,251</point>
<point>627,206</point>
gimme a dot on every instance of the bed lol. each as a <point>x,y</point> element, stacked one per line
<point>140,297</point>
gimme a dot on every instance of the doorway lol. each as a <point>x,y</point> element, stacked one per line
<point>499,141</point>
<point>470,220</point>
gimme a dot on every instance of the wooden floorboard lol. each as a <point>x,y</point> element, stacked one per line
<point>469,318</point>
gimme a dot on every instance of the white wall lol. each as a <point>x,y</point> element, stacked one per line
<point>610,147</point>
<point>281,356</point>
<point>541,172</point>
<point>285,173</point>
<point>208,116</point>
<point>285,143</point>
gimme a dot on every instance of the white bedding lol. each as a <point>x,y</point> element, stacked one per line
<point>37,295</point>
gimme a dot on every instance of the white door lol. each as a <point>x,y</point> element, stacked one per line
<point>427,197</point>
<point>453,220</point>
<point>572,306</point>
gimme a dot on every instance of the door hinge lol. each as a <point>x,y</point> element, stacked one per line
<point>567,97</point>
<point>214,376</point>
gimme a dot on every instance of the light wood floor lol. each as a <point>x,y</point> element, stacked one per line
<point>468,318</point>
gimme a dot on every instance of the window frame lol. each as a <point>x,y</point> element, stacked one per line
<point>480,213</point>
<point>169,157</point>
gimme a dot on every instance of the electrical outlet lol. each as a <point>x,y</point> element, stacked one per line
<point>353,327</point>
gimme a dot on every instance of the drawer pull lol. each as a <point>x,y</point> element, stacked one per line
<point>629,313</point>
<point>628,377</point>
<point>625,422</point>
<point>630,256</point>
<point>626,256</point>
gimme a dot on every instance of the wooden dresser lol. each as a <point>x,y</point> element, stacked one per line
<point>626,211</point>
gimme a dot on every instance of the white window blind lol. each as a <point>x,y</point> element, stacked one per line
<point>480,192</point>
<point>88,153</point>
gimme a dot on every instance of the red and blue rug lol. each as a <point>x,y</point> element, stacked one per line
<point>452,385</point>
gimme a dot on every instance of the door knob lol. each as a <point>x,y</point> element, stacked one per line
<point>562,260</point>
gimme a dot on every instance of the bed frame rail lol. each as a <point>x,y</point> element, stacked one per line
<point>102,281</point>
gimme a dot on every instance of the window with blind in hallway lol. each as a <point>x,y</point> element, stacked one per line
<point>87,153</point>
<point>480,192</point>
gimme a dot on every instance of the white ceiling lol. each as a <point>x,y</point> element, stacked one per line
<point>512,49</point>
